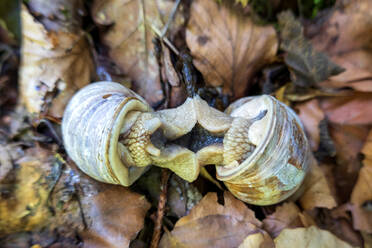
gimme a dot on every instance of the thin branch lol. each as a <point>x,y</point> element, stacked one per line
<point>161,208</point>
<point>164,39</point>
<point>170,18</point>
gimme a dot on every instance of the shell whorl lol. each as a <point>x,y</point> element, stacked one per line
<point>91,126</point>
<point>275,169</point>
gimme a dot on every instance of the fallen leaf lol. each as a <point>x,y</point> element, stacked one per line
<point>54,65</point>
<point>345,37</point>
<point>348,110</point>
<point>361,197</point>
<point>129,38</point>
<point>23,202</point>
<point>211,224</point>
<point>114,216</point>
<point>182,196</point>
<point>285,216</point>
<point>339,223</point>
<point>367,240</point>
<point>348,141</point>
<point>317,192</point>
<point>6,163</point>
<point>362,218</point>
<point>227,47</point>
<point>308,66</point>
<point>311,237</point>
<point>258,240</point>
<point>311,115</point>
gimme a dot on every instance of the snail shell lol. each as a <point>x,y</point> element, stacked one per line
<point>91,125</point>
<point>276,167</point>
<point>258,145</point>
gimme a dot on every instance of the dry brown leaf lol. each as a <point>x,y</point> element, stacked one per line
<point>54,65</point>
<point>285,216</point>
<point>311,237</point>
<point>338,222</point>
<point>362,218</point>
<point>349,110</point>
<point>228,48</point>
<point>311,115</point>
<point>361,196</point>
<point>27,209</point>
<point>307,66</point>
<point>114,216</point>
<point>258,240</point>
<point>317,192</point>
<point>129,39</point>
<point>367,240</point>
<point>348,141</point>
<point>346,38</point>
<point>210,224</point>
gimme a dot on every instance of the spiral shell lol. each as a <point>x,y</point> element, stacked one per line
<point>91,125</point>
<point>276,167</point>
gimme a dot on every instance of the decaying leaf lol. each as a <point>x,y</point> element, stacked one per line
<point>26,189</point>
<point>54,65</point>
<point>211,224</point>
<point>348,141</point>
<point>311,237</point>
<point>317,192</point>
<point>258,240</point>
<point>361,197</point>
<point>182,196</point>
<point>6,164</point>
<point>227,47</point>
<point>348,110</point>
<point>367,240</point>
<point>345,37</point>
<point>287,215</point>
<point>308,66</point>
<point>114,216</point>
<point>311,115</point>
<point>129,39</point>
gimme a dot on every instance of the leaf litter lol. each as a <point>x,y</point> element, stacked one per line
<point>45,201</point>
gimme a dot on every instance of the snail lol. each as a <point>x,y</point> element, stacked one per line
<point>257,145</point>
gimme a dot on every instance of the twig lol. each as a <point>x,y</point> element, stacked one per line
<point>161,208</point>
<point>170,18</point>
<point>164,39</point>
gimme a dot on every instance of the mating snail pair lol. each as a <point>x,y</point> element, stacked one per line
<point>258,144</point>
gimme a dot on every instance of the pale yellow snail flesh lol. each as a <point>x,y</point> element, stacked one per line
<point>101,114</point>
<point>259,147</point>
<point>276,167</point>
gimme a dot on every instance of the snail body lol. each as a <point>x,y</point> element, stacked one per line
<point>91,126</point>
<point>258,144</point>
<point>275,169</point>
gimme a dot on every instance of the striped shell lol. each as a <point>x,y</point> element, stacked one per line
<point>91,125</point>
<point>278,164</point>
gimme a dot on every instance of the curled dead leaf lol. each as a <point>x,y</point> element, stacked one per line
<point>345,37</point>
<point>129,38</point>
<point>287,215</point>
<point>361,197</point>
<point>348,110</point>
<point>348,140</point>
<point>317,192</point>
<point>258,240</point>
<point>54,65</point>
<point>308,66</point>
<point>114,216</point>
<point>311,237</point>
<point>211,224</point>
<point>227,47</point>
<point>311,115</point>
